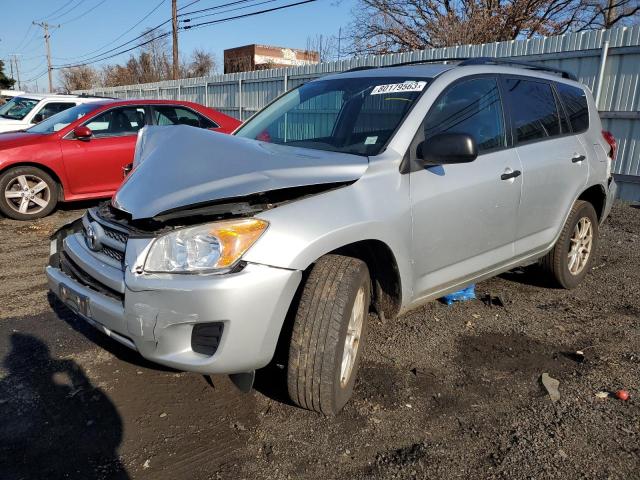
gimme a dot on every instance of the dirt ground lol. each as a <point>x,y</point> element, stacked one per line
<point>445,392</point>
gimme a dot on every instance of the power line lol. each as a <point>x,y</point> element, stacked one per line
<point>245,15</point>
<point>102,57</point>
<point>58,9</point>
<point>69,10</point>
<point>151,12</point>
<point>213,8</point>
<point>191,19</point>
<point>86,59</point>
<point>85,13</point>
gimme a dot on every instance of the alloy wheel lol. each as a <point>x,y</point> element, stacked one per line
<point>27,194</point>
<point>581,244</point>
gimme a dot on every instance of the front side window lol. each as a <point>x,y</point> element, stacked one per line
<point>472,107</point>
<point>117,122</point>
<point>57,122</point>
<point>350,115</point>
<point>533,109</point>
<point>170,115</point>
<point>17,108</point>
<point>50,109</point>
<point>575,103</point>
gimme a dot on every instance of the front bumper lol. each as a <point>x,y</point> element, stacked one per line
<point>156,314</point>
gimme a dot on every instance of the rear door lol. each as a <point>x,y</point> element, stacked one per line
<point>95,166</point>
<point>464,215</point>
<point>554,166</point>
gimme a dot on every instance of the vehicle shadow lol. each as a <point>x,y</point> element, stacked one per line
<point>100,339</point>
<point>54,422</point>
<point>530,275</point>
<point>78,205</point>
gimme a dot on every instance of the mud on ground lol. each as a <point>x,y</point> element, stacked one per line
<point>445,392</point>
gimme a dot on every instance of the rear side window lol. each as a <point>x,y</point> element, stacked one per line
<point>170,115</point>
<point>575,103</point>
<point>472,107</point>
<point>534,111</point>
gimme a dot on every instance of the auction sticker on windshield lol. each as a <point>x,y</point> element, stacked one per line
<point>408,86</point>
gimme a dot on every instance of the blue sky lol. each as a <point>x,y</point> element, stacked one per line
<point>107,19</point>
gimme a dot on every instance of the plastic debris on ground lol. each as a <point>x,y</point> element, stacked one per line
<point>551,385</point>
<point>467,293</point>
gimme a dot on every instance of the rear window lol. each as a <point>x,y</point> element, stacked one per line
<point>575,103</point>
<point>533,109</point>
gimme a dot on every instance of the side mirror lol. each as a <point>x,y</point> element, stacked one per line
<point>82,133</point>
<point>447,148</point>
<point>38,117</point>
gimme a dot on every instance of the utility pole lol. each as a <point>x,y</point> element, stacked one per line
<point>15,61</point>
<point>174,24</point>
<point>45,26</point>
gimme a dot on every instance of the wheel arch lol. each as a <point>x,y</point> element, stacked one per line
<point>42,167</point>
<point>596,195</point>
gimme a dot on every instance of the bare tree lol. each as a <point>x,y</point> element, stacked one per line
<point>82,77</point>
<point>384,26</point>
<point>325,46</point>
<point>609,13</point>
<point>202,64</point>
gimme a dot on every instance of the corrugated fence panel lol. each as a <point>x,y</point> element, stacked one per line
<point>242,94</point>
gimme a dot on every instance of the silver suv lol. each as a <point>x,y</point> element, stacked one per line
<point>373,190</point>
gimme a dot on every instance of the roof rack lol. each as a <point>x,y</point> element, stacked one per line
<point>514,63</point>
<point>466,61</point>
<point>413,62</point>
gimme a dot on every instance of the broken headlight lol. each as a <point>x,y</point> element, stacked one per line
<point>205,248</point>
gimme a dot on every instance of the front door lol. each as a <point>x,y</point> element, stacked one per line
<point>464,215</point>
<point>554,162</point>
<point>94,166</point>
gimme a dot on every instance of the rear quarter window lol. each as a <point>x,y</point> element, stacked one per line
<point>575,103</point>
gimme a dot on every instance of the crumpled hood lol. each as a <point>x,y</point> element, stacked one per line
<point>182,166</point>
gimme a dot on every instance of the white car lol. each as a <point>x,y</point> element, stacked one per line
<point>26,110</point>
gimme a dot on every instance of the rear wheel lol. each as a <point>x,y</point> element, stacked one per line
<point>328,334</point>
<point>571,257</point>
<point>27,193</point>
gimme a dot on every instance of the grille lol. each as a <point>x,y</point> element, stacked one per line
<point>115,234</point>
<point>113,253</point>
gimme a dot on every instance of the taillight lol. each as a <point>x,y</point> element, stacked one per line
<point>611,140</point>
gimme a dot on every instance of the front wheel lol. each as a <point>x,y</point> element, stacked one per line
<point>27,193</point>
<point>569,260</point>
<point>328,334</point>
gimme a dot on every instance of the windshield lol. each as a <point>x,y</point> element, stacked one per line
<point>17,108</point>
<point>60,120</point>
<point>349,115</point>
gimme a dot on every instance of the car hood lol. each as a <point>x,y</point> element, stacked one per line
<point>180,167</point>
<point>9,125</point>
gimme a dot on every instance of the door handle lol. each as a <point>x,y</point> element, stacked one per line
<point>510,175</point>
<point>578,158</point>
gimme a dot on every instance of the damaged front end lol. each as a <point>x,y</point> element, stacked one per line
<point>160,268</point>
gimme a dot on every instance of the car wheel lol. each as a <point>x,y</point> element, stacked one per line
<point>27,193</point>
<point>329,333</point>
<point>570,259</point>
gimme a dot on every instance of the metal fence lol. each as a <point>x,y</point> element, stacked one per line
<point>607,61</point>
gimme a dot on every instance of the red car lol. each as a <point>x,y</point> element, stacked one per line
<point>80,153</point>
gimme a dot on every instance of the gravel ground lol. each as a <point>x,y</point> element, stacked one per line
<point>445,392</point>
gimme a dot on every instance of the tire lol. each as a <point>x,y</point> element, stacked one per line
<point>314,373</point>
<point>12,193</point>
<point>557,263</point>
